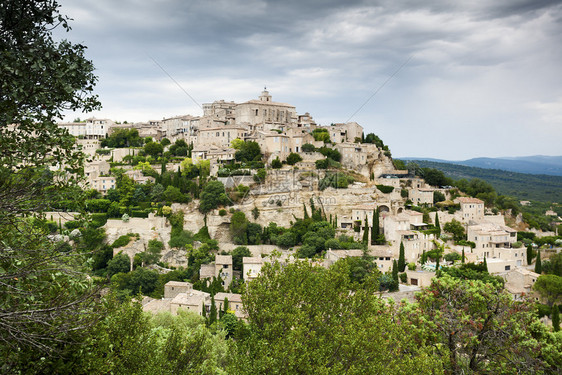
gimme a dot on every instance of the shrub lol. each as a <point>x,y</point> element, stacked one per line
<point>99,219</point>
<point>307,147</point>
<point>293,158</point>
<point>121,241</point>
<point>403,277</point>
<point>451,257</point>
<point>276,163</point>
<point>72,224</point>
<point>222,212</point>
<point>385,189</point>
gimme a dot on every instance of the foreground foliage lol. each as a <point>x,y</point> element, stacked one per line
<point>306,319</point>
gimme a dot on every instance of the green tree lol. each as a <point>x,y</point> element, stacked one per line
<point>530,254</point>
<point>463,257</point>
<point>300,317</point>
<point>538,264</point>
<point>437,225</point>
<point>293,158</point>
<point>213,311</point>
<point>249,151</point>
<point>365,233</point>
<point>276,163</point>
<point>456,229</point>
<point>237,257</point>
<point>153,149</point>
<point>120,263</point>
<point>477,327</point>
<point>401,258</point>
<point>375,228</point>
<point>39,79</point>
<point>255,212</point>
<point>555,318</point>
<point>212,196</point>
<point>238,228</point>
<point>395,270</point>
<point>550,288</point>
<point>307,147</point>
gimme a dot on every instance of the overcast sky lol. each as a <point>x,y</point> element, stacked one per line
<point>484,77</point>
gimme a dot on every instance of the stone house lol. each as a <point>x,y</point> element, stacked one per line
<point>470,209</point>
<point>384,257</point>
<point>519,282</point>
<point>220,136</point>
<point>207,271</point>
<point>422,196</point>
<point>92,128</point>
<point>332,256</point>
<point>420,278</point>
<point>173,288</point>
<point>347,132</point>
<point>223,268</point>
<point>489,235</point>
<point>251,267</point>
<point>193,300</point>
<point>234,303</point>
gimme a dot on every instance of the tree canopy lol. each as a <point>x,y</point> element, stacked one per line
<point>45,298</point>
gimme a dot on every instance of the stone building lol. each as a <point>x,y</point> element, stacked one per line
<point>92,128</point>
<point>471,209</point>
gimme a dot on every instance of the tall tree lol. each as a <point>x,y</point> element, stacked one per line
<point>485,265</point>
<point>538,263</point>
<point>366,233</point>
<point>395,270</point>
<point>45,299</point>
<point>477,327</point>
<point>401,258</point>
<point>375,229</point>
<point>301,317</point>
<point>463,259</point>
<point>213,311</point>
<point>437,225</point>
<point>555,318</point>
<point>529,254</point>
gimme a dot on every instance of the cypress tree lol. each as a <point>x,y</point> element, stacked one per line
<point>224,309</point>
<point>401,258</point>
<point>555,318</point>
<point>423,258</point>
<point>204,312</point>
<point>395,271</point>
<point>485,265</point>
<point>437,264</point>
<point>305,212</point>
<point>529,254</point>
<point>538,264</point>
<point>213,312</point>
<point>437,225</point>
<point>366,233</point>
<point>335,221</point>
<point>375,231</point>
<point>463,258</point>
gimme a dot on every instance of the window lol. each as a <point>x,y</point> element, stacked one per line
<point>507,268</point>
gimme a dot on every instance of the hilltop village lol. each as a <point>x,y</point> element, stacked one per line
<point>274,167</point>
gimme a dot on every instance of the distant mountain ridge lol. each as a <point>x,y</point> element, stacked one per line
<point>537,164</point>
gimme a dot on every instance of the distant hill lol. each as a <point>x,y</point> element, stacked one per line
<point>538,164</point>
<point>523,186</point>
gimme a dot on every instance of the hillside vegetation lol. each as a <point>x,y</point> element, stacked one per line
<point>520,185</point>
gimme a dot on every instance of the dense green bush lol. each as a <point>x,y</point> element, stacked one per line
<point>385,189</point>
